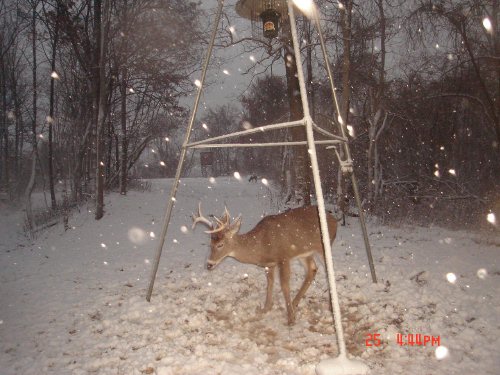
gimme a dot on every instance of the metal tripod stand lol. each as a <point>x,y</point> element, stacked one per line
<point>311,143</point>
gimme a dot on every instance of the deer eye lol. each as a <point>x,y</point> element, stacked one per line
<point>220,245</point>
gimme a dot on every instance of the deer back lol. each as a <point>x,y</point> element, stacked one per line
<point>276,238</point>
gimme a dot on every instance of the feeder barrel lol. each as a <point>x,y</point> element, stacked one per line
<point>251,9</point>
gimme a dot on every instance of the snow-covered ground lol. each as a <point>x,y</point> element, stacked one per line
<point>73,302</point>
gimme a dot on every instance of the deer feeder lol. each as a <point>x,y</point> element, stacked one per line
<point>266,16</point>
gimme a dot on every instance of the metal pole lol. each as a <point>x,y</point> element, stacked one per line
<point>341,125</point>
<point>337,318</point>
<point>171,201</point>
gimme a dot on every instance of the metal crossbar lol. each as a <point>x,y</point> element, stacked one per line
<point>266,144</point>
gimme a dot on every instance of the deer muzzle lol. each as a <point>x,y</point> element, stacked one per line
<point>211,265</point>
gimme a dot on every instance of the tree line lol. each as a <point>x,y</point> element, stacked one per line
<point>419,85</point>
<point>86,86</point>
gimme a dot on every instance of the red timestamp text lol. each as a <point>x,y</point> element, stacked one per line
<point>410,339</point>
<point>417,339</point>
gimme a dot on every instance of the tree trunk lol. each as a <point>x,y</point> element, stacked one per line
<point>4,134</point>
<point>345,20</point>
<point>496,49</point>
<point>302,189</point>
<point>375,125</point>
<point>51,109</point>
<point>101,115</point>
<point>29,190</point>
<point>34,153</point>
<point>124,140</point>
<point>123,161</point>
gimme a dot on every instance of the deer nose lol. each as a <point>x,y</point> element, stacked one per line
<point>210,266</point>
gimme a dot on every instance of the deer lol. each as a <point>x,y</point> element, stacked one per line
<point>273,243</point>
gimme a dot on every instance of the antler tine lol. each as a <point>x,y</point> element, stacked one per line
<point>220,228</point>
<point>201,219</point>
<point>227,215</point>
<point>222,223</point>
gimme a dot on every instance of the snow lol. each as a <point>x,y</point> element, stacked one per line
<point>73,302</point>
<point>341,365</point>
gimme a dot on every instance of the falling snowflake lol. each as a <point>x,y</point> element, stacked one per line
<point>197,83</point>
<point>482,273</point>
<point>131,90</point>
<point>54,75</point>
<point>226,72</point>
<point>237,175</point>
<point>451,277</point>
<point>103,245</point>
<point>136,235</point>
<point>152,234</point>
<point>264,181</point>
<point>252,58</point>
<point>441,352</point>
<point>487,24</point>
<point>204,126</point>
<point>162,163</point>
<point>452,172</point>
<point>491,218</point>
<point>184,229</point>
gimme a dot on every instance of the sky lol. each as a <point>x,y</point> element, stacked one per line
<point>226,77</point>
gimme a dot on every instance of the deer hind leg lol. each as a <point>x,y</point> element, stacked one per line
<point>284,268</point>
<point>269,294</point>
<point>311,270</point>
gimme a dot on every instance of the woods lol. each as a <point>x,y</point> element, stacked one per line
<point>104,76</point>
<point>87,86</point>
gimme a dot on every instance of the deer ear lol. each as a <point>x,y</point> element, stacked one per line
<point>235,226</point>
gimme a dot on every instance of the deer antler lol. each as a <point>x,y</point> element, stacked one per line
<point>201,219</point>
<point>226,218</point>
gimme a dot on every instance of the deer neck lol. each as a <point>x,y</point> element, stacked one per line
<point>247,249</point>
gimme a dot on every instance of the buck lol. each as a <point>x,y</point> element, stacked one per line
<point>274,242</point>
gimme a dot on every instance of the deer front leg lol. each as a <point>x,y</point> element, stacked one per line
<point>284,268</point>
<point>269,295</point>
<point>311,269</point>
